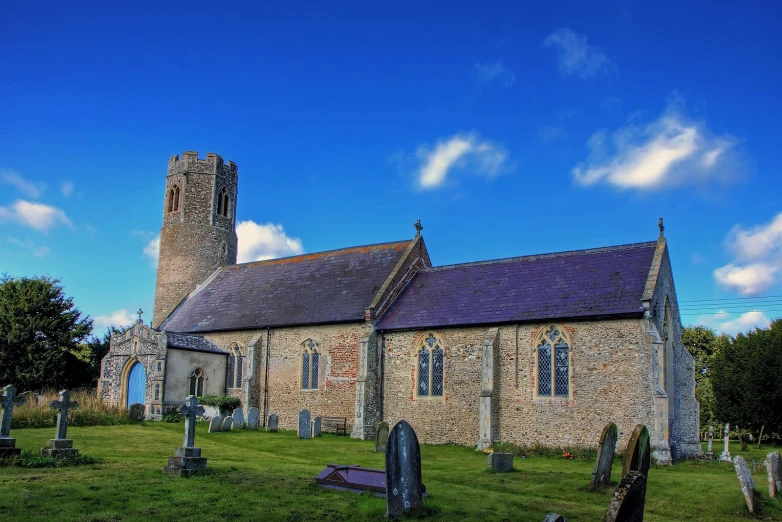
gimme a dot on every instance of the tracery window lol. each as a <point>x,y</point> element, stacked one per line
<point>173,199</point>
<point>235,366</point>
<point>553,353</point>
<point>223,203</point>
<point>310,363</point>
<point>197,379</point>
<point>431,370</point>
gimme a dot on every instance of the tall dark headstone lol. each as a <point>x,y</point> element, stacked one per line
<point>605,456</point>
<point>627,504</point>
<point>8,400</point>
<point>638,455</point>
<point>272,423</point>
<point>404,488</point>
<point>305,428</point>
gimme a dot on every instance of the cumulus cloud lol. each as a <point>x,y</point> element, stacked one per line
<point>489,72</point>
<point>671,150</point>
<point>463,151</point>
<point>118,319</point>
<point>27,188</point>
<point>577,57</point>
<point>67,188</point>
<point>35,215</point>
<point>152,250</point>
<point>259,242</point>
<point>723,322</point>
<point>29,246</point>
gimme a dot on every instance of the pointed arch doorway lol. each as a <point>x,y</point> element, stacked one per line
<point>137,385</point>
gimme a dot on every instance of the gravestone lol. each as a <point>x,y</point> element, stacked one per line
<point>553,517</point>
<point>61,445</point>
<point>8,400</point>
<point>627,504</point>
<point>215,424</point>
<point>253,418</point>
<point>187,460</point>
<point>305,430</point>
<point>404,489</point>
<point>381,437</point>
<point>272,423</point>
<point>228,424</point>
<point>774,474</point>
<point>29,397</point>
<point>605,456</point>
<point>725,455</point>
<point>500,462</point>
<point>317,426</point>
<point>136,412</point>
<point>746,483</point>
<point>709,452</point>
<point>238,417</point>
<point>638,455</point>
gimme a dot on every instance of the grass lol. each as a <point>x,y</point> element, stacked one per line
<point>270,476</point>
<point>92,411</point>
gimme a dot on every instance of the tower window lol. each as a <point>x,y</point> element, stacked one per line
<point>223,202</point>
<point>173,199</point>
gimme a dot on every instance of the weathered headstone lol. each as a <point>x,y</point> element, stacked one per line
<point>8,400</point>
<point>61,445</point>
<point>305,430</point>
<point>725,455</point>
<point>605,456</point>
<point>381,437</point>
<point>553,517</point>
<point>774,474</point>
<point>627,504</point>
<point>253,418</point>
<point>188,459</point>
<point>500,462</point>
<point>746,483</point>
<point>404,489</point>
<point>638,455</point>
<point>29,397</point>
<point>317,426</point>
<point>136,412</point>
<point>709,452</point>
<point>215,424</point>
<point>238,417</point>
<point>228,424</point>
<point>272,423</point>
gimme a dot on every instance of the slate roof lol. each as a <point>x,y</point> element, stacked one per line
<point>326,287</point>
<point>592,283</point>
<point>194,343</point>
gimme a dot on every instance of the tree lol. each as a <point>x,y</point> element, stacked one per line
<point>40,330</point>
<point>91,353</point>
<point>703,344</point>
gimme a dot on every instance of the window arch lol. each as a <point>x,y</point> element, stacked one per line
<point>223,203</point>
<point>197,381</point>
<point>235,367</point>
<point>553,358</point>
<point>310,365</point>
<point>430,361</point>
<point>173,199</point>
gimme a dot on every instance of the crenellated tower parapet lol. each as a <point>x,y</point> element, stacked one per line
<point>213,164</point>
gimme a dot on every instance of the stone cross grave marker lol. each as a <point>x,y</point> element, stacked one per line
<point>191,410</point>
<point>228,424</point>
<point>381,437</point>
<point>188,459</point>
<point>253,418</point>
<point>238,416</point>
<point>638,455</point>
<point>404,488</point>
<point>725,455</point>
<point>774,474</point>
<point>317,426</point>
<point>214,424</point>
<point>627,504</point>
<point>272,423</point>
<point>605,456</point>
<point>746,483</point>
<point>8,400</point>
<point>305,430</point>
<point>61,445</point>
<point>709,452</point>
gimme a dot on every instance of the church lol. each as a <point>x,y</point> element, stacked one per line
<point>541,349</point>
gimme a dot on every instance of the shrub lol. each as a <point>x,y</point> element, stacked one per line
<point>28,459</point>
<point>538,450</point>
<point>92,411</point>
<point>171,416</point>
<point>225,403</point>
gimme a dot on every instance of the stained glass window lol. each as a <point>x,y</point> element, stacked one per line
<point>553,364</point>
<point>231,370</point>
<point>235,367</point>
<point>305,370</point>
<point>544,368</point>
<point>423,372</point>
<point>239,367</point>
<point>562,379</point>
<point>310,365</point>
<point>437,372</point>
<point>431,367</point>
<point>196,383</point>
<point>315,361</point>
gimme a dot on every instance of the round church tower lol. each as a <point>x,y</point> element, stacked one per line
<point>199,227</point>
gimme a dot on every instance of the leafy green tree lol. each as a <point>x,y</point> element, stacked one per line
<point>91,353</point>
<point>40,330</point>
<point>703,344</point>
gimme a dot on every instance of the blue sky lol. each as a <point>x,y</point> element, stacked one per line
<point>507,129</point>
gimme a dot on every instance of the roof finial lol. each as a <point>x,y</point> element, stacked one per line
<point>662,228</point>
<point>418,228</point>
<point>140,312</point>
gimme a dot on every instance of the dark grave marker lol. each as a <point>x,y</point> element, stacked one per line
<point>605,456</point>
<point>638,455</point>
<point>627,504</point>
<point>404,488</point>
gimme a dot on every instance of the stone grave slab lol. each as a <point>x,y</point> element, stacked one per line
<point>353,478</point>
<point>305,430</point>
<point>61,445</point>
<point>746,482</point>
<point>627,504</point>
<point>606,448</point>
<point>228,424</point>
<point>381,437</point>
<point>317,426</point>
<point>272,423</point>
<point>500,462</point>
<point>774,470</point>
<point>215,424</point>
<point>404,488</point>
<point>638,455</point>
<point>238,417</point>
<point>136,412</point>
<point>253,418</point>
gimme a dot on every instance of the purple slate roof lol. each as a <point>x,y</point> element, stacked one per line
<point>326,287</point>
<point>193,343</point>
<point>600,282</point>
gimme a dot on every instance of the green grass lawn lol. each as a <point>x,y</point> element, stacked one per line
<point>270,476</point>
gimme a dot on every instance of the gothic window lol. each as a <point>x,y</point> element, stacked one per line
<point>553,359</point>
<point>310,364</point>
<point>430,361</point>
<point>235,367</point>
<point>197,379</point>
<point>173,199</point>
<point>223,203</point>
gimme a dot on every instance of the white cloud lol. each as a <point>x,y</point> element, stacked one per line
<point>32,248</point>
<point>489,72</point>
<point>671,150</point>
<point>758,242</point>
<point>260,242</point>
<point>724,322</point>
<point>28,188</point>
<point>577,56</point>
<point>152,250</point>
<point>466,151</point>
<point>66,188</point>
<point>119,319</point>
<point>747,280</point>
<point>35,215</point>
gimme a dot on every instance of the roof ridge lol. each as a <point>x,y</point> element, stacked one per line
<point>314,254</point>
<point>564,253</point>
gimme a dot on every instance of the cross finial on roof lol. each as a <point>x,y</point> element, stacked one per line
<point>140,312</point>
<point>418,227</point>
<point>662,228</point>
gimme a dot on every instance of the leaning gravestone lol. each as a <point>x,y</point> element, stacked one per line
<point>627,504</point>
<point>305,430</point>
<point>272,423</point>
<point>253,418</point>
<point>136,412</point>
<point>8,400</point>
<point>638,455</point>
<point>61,445</point>
<point>404,488</point>
<point>381,437</point>
<point>317,426</point>
<point>214,424</point>
<point>774,474</point>
<point>605,456</point>
<point>228,424</point>
<point>188,459</point>
<point>746,482</point>
<point>238,417</point>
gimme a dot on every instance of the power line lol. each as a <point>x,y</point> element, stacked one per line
<point>730,299</point>
<point>712,312</point>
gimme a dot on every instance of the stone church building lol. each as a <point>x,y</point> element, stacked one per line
<point>534,349</point>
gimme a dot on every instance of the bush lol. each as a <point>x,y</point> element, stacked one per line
<point>28,459</point>
<point>225,403</point>
<point>537,450</point>
<point>92,411</point>
<point>171,416</point>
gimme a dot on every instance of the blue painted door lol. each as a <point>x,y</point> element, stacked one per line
<point>137,385</point>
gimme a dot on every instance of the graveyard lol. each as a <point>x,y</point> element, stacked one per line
<point>271,476</point>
